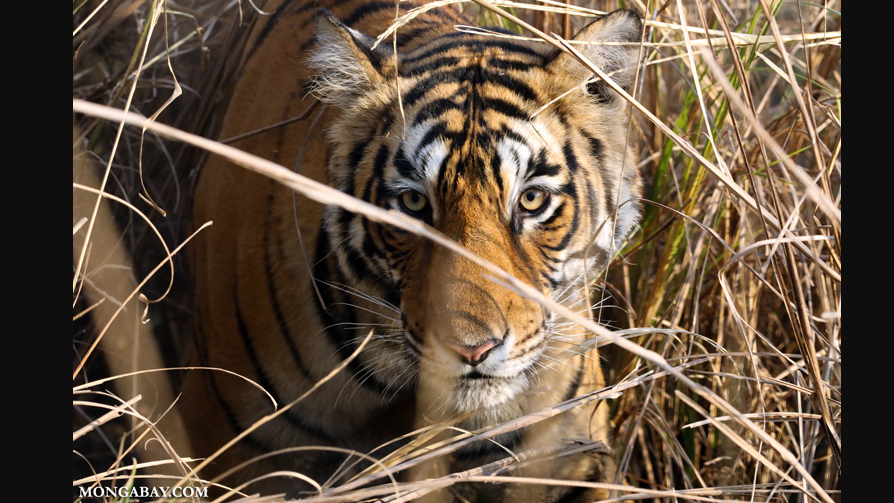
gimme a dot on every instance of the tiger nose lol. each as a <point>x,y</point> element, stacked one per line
<point>473,355</point>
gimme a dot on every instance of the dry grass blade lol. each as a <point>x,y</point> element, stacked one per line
<point>113,473</point>
<point>762,416</point>
<point>93,384</point>
<point>392,487</point>
<point>272,416</point>
<point>113,413</point>
<point>135,292</point>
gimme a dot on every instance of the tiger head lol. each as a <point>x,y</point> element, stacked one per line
<point>509,148</point>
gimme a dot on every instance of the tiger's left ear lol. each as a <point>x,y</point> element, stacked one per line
<point>611,43</point>
<point>344,62</point>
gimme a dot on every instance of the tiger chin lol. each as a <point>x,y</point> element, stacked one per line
<point>506,146</point>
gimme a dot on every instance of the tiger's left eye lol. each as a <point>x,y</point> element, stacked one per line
<point>413,201</point>
<point>533,199</point>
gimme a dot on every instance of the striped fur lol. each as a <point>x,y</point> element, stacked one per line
<point>443,129</point>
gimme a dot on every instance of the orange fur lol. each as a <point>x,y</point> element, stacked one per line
<point>460,144</point>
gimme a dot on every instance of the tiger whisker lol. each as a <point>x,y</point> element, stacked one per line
<point>358,293</point>
<point>361,308</point>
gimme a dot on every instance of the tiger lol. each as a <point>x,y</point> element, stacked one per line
<point>503,144</point>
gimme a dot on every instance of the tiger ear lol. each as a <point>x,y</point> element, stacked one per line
<point>601,42</point>
<point>344,62</point>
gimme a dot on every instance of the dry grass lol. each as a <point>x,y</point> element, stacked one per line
<point>724,307</point>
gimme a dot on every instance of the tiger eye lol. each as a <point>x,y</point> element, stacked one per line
<point>533,199</point>
<point>413,201</point>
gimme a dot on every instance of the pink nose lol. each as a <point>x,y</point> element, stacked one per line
<point>473,355</point>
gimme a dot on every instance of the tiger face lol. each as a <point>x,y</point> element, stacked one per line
<point>505,148</point>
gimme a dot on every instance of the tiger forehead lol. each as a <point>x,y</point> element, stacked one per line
<point>468,106</point>
<point>462,49</point>
<point>471,68</point>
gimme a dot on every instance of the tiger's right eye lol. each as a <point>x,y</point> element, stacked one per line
<point>413,201</point>
<point>533,200</point>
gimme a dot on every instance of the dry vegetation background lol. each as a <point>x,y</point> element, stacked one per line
<point>731,287</point>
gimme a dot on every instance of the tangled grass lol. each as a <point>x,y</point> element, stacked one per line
<point>724,308</point>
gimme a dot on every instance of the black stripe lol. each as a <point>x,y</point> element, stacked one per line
<point>569,189</point>
<point>308,43</point>
<point>510,64</point>
<point>340,313</point>
<point>531,349</point>
<point>437,130</point>
<point>469,76</point>
<point>556,214</point>
<point>377,177</point>
<point>345,217</point>
<point>264,379</point>
<point>366,9</point>
<point>543,168</point>
<point>477,44</point>
<point>385,119</point>
<point>512,135</point>
<point>435,108</point>
<point>553,284</point>
<point>571,392</point>
<point>282,13</point>
<point>496,171</point>
<point>504,107</point>
<point>566,239</point>
<point>359,266</point>
<point>517,86</point>
<point>404,38</point>
<point>404,167</point>
<point>377,172</point>
<point>570,158</point>
<point>230,414</point>
<point>414,337</point>
<point>431,66</point>
<point>548,257</point>
<point>373,254</point>
<point>572,495</point>
<point>251,439</point>
<point>591,200</point>
<point>375,56</point>
<point>272,291</point>
<point>395,253</point>
<point>354,159</point>
<point>596,147</point>
<point>576,492</point>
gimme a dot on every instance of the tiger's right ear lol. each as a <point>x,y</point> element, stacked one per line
<point>344,63</point>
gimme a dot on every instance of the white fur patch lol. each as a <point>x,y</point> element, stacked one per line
<point>514,157</point>
<point>339,75</point>
<point>429,159</point>
<point>516,160</point>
